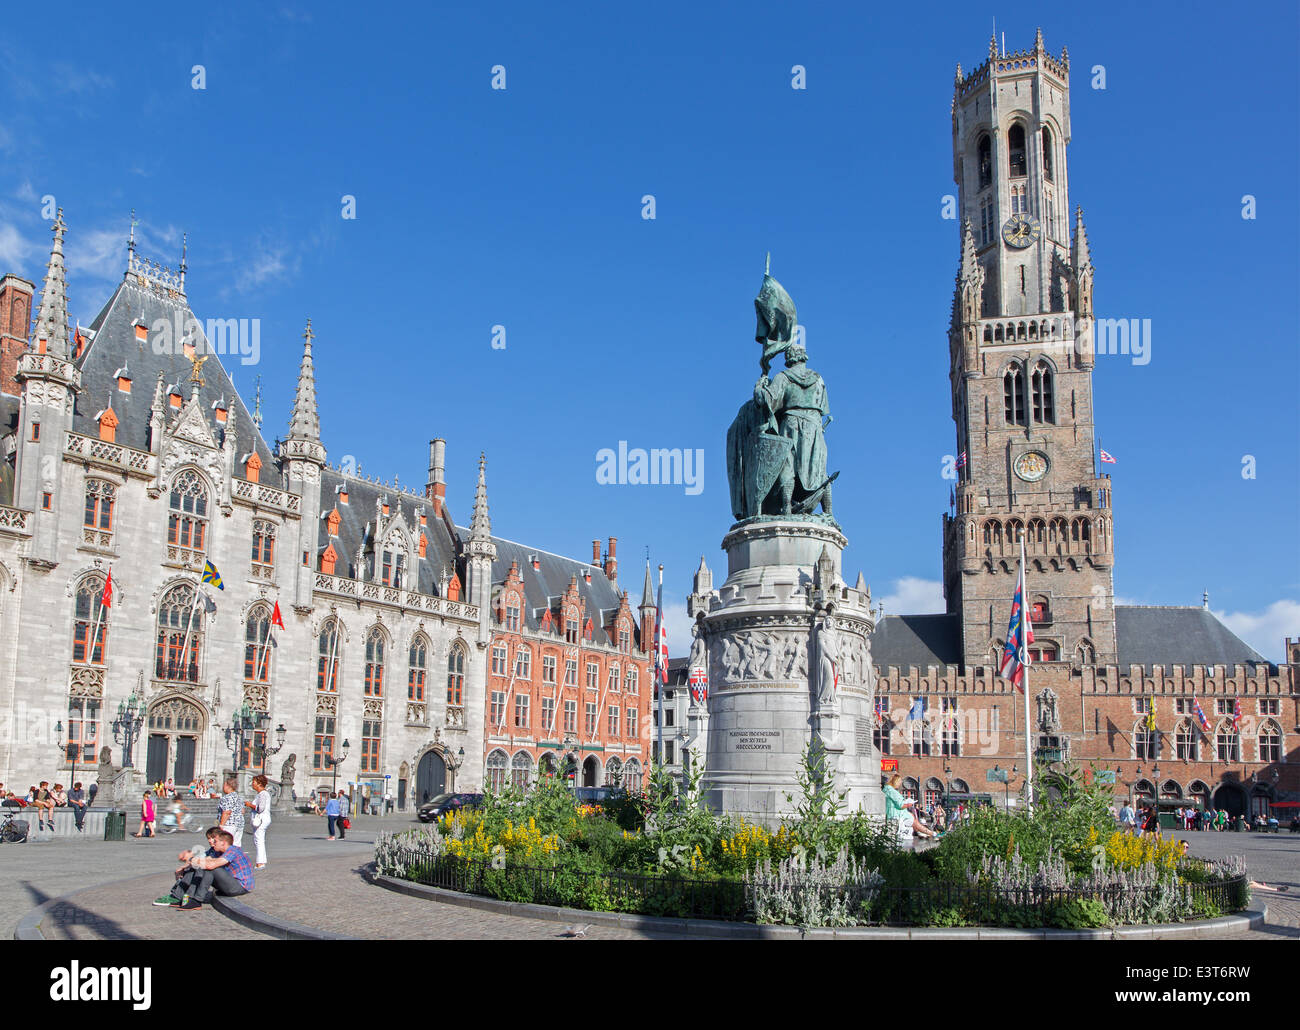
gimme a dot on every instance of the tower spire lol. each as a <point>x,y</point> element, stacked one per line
<point>130,239</point>
<point>185,247</point>
<point>480,527</point>
<point>305,422</point>
<point>52,317</point>
<point>257,405</point>
<point>647,593</point>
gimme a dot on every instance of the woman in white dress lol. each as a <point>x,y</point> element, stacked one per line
<point>261,817</point>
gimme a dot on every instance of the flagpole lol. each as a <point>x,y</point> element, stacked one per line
<point>94,637</point>
<point>334,650</point>
<point>658,676</point>
<point>261,665</point>
<point>1024,672</point>
<point>185,641</point>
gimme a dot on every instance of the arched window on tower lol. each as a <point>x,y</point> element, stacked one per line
<point>415,675</point>
<point>257,645</point>
<point>1044,403</point>
<point>90,622</point>
<point>187,522</point>
<point>985,162</point>
<point>374,685</point>
<point>1013,396</point>
<point>1016,163</point>
<point>1047,154</point>
<point>455,676</point>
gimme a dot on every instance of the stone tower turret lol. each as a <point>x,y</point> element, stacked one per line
<point>302,456</point>
<point>480,552</point>
<point>1021,363</point>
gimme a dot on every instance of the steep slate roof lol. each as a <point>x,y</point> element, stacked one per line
<point>114,346</point>
<point>544,587</point>
<point>1145,636</point>
<point>363,504</point>
<point>920,640</point>
<point>1150,636</point>
<point>677,672</point>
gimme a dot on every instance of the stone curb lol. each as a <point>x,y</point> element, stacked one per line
<point>1251,919</point>
<point>283,929</point>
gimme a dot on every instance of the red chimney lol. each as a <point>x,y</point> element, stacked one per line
<point>611,560</point>
<point>595,553</point>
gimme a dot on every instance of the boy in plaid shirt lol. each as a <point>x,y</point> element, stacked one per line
<point>223,868</point>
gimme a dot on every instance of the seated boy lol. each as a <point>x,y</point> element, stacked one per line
<point>223,868</point>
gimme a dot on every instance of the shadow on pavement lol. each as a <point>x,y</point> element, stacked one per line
<point>60,920</point>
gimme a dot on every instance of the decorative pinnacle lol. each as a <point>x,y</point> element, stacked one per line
<point>130,240</point>
<point>304,424</point>
<point>1038,41</point>
<point>481,524</point>
<point>52,316</point>
<point>257,406</point>
<point>993,46</point>
<point>767,265</point>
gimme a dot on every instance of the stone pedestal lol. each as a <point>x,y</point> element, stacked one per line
<point>790,666</point>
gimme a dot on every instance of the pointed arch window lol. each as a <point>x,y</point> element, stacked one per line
<point>1047,154</point>
<point>1227,744</point>
<point>263,549</point>
<point>521,771</point>
<point>394,561</point>
<point>180,635</point>
<point>374,686</point>
<point>1016,163</point>
<point>98,518</point>
<point>985,150</point>
<point>1146,743</point>
<point>1013,396</point>
<point>1044,401</point>
<point>257,645</point>
<point>90,622</point>
<point>1186,742</point>
<point>328,657</point>
<point>1270,742</point>
<point>456,675</point>
<point>496,771</point>
<point>187,521</point>
<point>372,733</point>
<point>419,658</point>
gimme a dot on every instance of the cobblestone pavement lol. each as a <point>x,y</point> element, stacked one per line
<point>36,872</point>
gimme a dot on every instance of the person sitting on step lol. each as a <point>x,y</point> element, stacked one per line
<point>223,868</point>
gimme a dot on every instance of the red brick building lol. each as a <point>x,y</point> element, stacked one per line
<point>569,684</point>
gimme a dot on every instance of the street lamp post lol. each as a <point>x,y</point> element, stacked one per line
<point>454,762</point>
<point>333,761</point>
<point>127,726</point>
<point>58,729</point>
<point>280,734</point>
<point>242,722</point>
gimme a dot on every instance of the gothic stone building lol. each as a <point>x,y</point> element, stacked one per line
<point>1021,361</point>
<point>127,448</point>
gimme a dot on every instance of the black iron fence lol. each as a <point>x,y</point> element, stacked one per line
<point>696,897</point>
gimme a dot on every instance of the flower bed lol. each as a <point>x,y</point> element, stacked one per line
<point>664,854</point>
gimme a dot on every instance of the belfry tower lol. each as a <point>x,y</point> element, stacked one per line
<point>1020,344</point>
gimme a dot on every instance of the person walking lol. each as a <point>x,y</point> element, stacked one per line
<point>148,816</point>
<point>261,817</point>
<point>231,807</point>
<point>334,815</point>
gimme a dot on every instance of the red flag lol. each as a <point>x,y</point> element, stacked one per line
<point>275,616</point>
<point>106,599</point>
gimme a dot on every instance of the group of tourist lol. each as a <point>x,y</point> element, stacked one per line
<point>910,819</point>
<point>45,799</point>
<point>231,807</point>
<point>223,868</point>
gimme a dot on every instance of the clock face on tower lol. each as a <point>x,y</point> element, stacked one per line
<point>1020,231</point>
<point>1031,466</point>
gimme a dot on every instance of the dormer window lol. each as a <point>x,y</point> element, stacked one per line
<point>512,615</point>
<point>571,631</point>
<point>394,568</point>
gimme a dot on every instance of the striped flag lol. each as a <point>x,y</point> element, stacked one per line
<point>1200,717</point>
<point>961,460</point>
<point>1020,633</point>
<point>1236,715</point>
<point>1107,457</point>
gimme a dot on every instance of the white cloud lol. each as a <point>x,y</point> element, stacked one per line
<point>1266,631</point>
<point>269,265</point>
<point>679,628</point>
<point>913,595</point>
<point>14,247</point>
<point>27,193</point>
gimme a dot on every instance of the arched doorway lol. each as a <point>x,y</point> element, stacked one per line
<point>1261,801</point>
<point>430,777</point>
<point>1230,798</point>
<point>175,726</point>
<point>591,772</point>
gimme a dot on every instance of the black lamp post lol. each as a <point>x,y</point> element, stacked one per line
<point>333,761</point>
<point>454,762</point>
<point>127,726</point>
<point>58,729</point>
<point>280,734</point>
<point>242,723</point>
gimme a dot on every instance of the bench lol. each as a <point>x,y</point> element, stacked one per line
<point>65,823</point>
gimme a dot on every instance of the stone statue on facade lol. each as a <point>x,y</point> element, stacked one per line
<point>776,446</point>
<point>828,666</point>
<point>287,772</point>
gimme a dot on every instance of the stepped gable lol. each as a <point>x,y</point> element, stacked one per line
<point>543,587</point>
<point>114,346</point>
<point>900,641</point>
<point>1168,635</point>
<point>364,499</point>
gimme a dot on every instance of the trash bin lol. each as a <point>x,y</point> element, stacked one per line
<point>115,825</point>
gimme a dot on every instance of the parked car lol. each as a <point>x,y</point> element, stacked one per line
<point>597,795</point>
<point>445,803</point>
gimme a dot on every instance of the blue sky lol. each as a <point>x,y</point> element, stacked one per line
<point>522,208</point>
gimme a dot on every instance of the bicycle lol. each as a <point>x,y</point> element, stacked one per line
<point>13,831</point>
